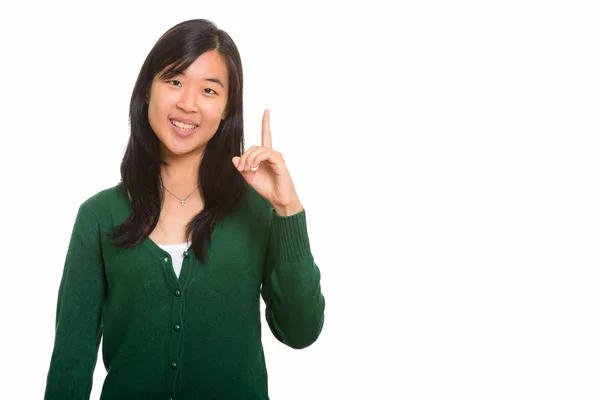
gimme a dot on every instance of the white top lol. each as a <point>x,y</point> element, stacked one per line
<point>176,252</point>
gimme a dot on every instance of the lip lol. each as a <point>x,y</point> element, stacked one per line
<point>185,121</point>
<point>180,132</point>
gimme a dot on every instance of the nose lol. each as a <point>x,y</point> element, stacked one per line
<point>188,101</point>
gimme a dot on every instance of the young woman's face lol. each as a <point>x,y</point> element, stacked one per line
<point>185,111</point>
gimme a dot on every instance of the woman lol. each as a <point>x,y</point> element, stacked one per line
<point>168,266</point>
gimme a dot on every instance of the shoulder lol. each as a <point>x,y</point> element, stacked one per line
<point>104,197</point>
<point>105,202</point>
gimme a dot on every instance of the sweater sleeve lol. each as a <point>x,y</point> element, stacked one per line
<point>78,327</point>
<point>291,289</point>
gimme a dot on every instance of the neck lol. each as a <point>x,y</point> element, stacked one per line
<point>181,175</point>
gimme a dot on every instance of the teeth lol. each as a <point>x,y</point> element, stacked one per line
<point>181,125</point>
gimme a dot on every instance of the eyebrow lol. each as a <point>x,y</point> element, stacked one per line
<point>215,80</point>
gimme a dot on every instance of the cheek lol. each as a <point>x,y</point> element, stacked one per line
<point>213,111</point>
<point>154,116</point>
<point>153,107</point>
<point>160,103</point>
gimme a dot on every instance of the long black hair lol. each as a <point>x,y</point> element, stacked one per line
<point>221,184</point>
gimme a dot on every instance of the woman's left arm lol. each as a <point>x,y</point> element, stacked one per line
<point>291,285</point>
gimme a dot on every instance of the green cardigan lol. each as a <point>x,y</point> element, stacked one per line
<point>196,337</point>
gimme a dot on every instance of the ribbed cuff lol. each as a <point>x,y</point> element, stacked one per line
<point>289,237</point>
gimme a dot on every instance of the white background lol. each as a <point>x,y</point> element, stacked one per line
<point>447,154</point>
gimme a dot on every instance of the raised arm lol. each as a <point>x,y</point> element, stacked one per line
<point>291,285</point>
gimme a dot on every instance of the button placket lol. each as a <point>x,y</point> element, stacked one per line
<point>176,335</point>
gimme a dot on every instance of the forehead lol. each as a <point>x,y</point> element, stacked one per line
<point>210,64</point>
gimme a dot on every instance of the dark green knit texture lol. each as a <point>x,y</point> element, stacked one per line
<point>196,337</point>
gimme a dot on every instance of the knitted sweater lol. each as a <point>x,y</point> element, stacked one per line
<point>196,337</point>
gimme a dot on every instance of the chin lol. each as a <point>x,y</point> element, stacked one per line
<point>182,151</point>
<point>179,152</point>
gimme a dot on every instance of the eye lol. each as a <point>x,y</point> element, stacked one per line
<point>209,91</point>
<point>174,82</point>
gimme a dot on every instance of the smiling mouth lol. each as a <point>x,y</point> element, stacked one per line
<point>182,126</point>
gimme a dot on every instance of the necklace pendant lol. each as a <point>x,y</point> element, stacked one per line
<point>182,202</point>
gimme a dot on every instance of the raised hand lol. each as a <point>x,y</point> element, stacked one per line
<point>264,169</point>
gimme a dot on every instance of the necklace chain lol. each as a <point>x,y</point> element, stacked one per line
<point>182,201</point>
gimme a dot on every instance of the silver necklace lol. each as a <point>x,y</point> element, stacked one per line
<point>182,201</point>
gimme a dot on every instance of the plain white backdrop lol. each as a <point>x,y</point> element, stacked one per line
<point>446,154</point>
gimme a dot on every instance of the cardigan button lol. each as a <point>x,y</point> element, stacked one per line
<point>177,292</point>
<point>177,327</point>
<point>170,398</point>
<point>174,365</point>
<point>186,253</point>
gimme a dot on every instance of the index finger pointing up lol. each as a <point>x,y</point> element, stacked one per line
<point>266,130</point>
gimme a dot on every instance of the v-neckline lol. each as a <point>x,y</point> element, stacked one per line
<point>169,272</point>
<point>168,268</point>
